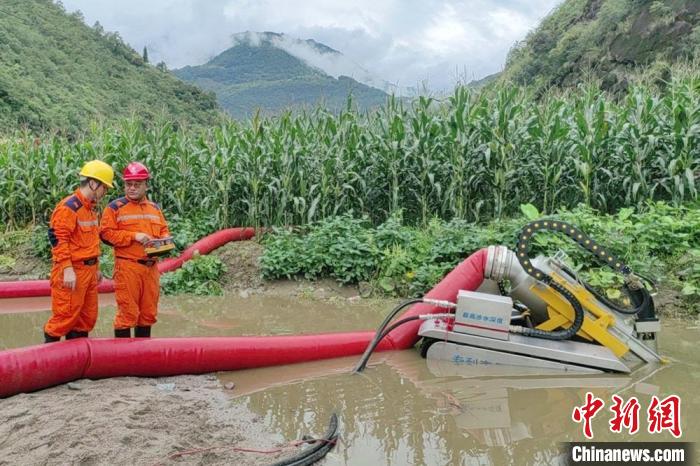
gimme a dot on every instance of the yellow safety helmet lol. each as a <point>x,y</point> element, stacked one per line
<point>100,171</point>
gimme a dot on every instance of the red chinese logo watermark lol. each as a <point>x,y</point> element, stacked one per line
<point>587,412</point>
<point>625,416</point>
<point>661,415</point>
<point>665,415</point>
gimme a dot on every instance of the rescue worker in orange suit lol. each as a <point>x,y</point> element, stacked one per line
<point>75,248</point>
<point>128,224</point>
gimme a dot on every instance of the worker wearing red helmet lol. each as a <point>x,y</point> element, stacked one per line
<point>128,224</point>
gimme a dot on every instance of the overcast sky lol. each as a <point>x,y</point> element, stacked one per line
<point>405,42</point>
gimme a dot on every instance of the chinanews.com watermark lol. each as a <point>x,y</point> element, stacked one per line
<point>617,453</point>
<point>661,415</point>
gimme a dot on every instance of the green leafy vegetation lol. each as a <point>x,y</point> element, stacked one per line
<point>397,259</point>
<point>13,240</point>
<point>690,273</point>
<point>339,247</point>
<point>187,230</point>
<point>248,78</point>
<point>607,41</point>
<point>470,157</point>
<point>661,241</point>
<point>57,74</point>
<point>198,276</point>
<point>19,256</point>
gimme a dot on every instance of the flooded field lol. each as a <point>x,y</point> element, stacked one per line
<point>404,409</point>
<point>22,320</point>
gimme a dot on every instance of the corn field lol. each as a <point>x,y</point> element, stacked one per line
<point>468,156</point>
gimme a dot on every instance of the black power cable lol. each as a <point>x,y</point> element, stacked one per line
<point>380,333</point>
<point>375,342</point>
<point>396,324</point>
<point>320,448</point>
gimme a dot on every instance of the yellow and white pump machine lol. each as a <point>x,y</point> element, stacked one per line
<point>550,319</point>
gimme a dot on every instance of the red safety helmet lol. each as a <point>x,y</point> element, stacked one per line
<point>136,171</point>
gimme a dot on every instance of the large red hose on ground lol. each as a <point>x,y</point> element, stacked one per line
<point>32,288</point>
<point>37,367</point>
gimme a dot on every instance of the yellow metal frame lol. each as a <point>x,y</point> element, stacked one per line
<point>595,323</point>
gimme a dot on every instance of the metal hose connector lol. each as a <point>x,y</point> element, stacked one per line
<point>502,263</point>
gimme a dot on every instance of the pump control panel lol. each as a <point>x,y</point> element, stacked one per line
<point>483,314</point>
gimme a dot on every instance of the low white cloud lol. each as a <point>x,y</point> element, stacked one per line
<point>403,42</point>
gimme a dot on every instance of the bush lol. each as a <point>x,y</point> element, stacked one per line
<point>198,276</point>
<point>187,230</point>
<point>41,247</point>
<point>340,247</point>
<point>662,241</point>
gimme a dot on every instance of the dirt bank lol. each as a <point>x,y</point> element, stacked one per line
<point>17,260</point>
<point>243,277</point>
<point>135,421</point>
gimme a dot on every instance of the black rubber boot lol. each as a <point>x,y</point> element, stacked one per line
<point>142,332</point>
<point>122,333</point>
<point>73,334</point>
<point>49,339</point>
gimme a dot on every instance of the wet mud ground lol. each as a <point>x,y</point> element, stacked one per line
<point>401,410</point>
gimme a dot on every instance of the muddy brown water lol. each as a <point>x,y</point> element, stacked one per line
<point>404,409</point>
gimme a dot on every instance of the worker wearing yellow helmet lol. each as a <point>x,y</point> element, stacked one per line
<point>75,248</point>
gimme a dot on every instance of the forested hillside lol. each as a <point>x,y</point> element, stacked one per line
<point>56,73</point>
<point>608,40</point>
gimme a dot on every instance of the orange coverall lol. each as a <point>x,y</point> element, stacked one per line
<point>136,276</point>
<point>75,241</point>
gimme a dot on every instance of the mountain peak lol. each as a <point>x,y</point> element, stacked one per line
<point>316,55</point>
<point>271,71</point>
<point>279,40</point>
